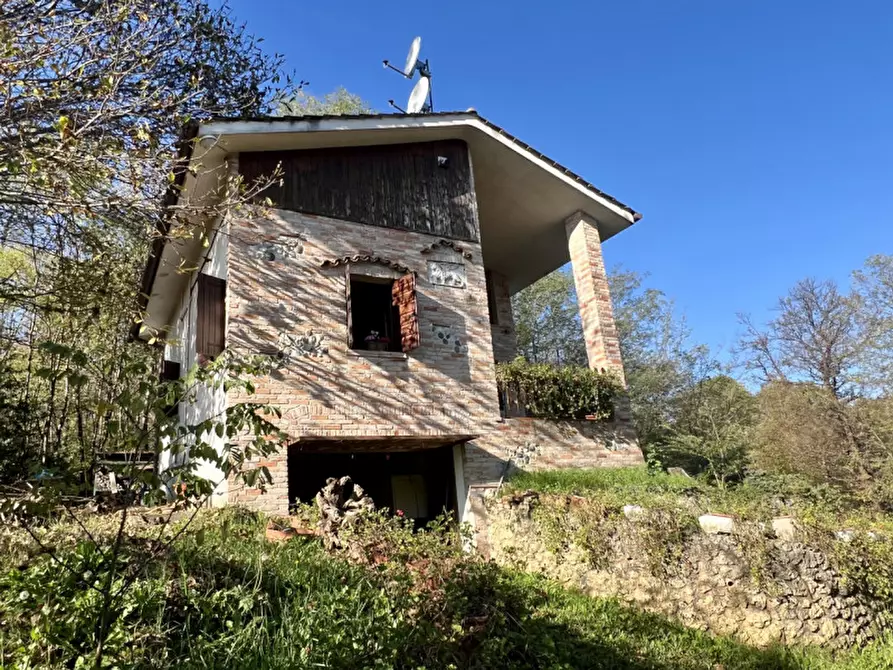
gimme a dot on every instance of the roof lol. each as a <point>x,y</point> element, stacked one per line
<point>523,196</point>
<point>344,117</point>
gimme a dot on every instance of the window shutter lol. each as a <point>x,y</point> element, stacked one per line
<point>404,295</point>
<point>211,317</point>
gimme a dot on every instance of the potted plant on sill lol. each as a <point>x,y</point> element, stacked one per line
<point>376,342</point>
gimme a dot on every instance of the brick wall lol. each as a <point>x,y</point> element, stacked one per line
<point>593,294</point>
<point>278,289</point>
<point>505,345</point>
<point>282,296</point>
<point>544,444</point>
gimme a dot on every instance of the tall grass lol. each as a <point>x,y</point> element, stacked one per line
<point>226,598</point>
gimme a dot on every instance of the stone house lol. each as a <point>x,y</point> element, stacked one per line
<point>381,276</point>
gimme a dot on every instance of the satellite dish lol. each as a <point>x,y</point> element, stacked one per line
<point>419,96</point>
<point>412,57</point>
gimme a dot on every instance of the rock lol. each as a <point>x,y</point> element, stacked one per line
<point>716,524</point>
<point>785,528</point>
<point>827,630</point>
<point>679,472</point>
<point>632,511</point>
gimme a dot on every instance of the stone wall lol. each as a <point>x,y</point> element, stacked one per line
<point>801,600</point>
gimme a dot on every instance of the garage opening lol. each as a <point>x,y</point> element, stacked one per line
<point>420,483</point>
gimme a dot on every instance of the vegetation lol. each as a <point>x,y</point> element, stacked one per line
<point>340,101</point>
<point>558,392</point>
<point>221,596</point>
<point>671,504</point>
<point>97,98</point>
<point>820,370</point>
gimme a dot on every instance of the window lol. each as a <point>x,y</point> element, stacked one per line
<point>210,318</point>
<point>382,314</point>
<point>491,298</point>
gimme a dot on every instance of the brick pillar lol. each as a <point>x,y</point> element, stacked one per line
<point>593,295</point>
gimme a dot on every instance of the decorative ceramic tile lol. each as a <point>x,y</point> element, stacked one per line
<point>445,336</point>
<point>302,346</point>
<point>281,249</point>
<point>447,274</point>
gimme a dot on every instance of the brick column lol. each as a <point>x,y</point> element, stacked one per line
<point>593,295</point>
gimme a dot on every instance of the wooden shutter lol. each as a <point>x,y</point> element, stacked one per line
<point>211,318</point>
<point>404,295</point>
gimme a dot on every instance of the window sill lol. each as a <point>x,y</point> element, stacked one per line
<point>368,353</point>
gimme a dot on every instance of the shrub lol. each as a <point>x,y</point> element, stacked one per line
<point>567,392</point>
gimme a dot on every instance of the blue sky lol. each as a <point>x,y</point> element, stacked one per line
<point>756,136</point>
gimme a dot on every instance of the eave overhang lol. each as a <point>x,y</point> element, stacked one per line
<point>523,196</point>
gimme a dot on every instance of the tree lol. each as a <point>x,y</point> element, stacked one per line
<point>873,299</point>
<point>825,365</point>
<point>659,359</point>
<point>714,425</point>
<point>96,96</point>
<point>800,433</point>
<point>813,338</point>
<point>547,321</point>
<point>338,102</point>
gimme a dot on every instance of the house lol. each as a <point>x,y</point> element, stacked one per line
<point>382,277</point>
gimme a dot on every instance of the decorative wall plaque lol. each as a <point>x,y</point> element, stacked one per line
<point>280,249</point>
<point>309,345</point>
<point>447,274</point>
<point>444,335</point>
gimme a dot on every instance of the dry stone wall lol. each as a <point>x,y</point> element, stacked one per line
<point>709,584</point>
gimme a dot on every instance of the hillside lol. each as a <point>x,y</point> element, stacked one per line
<point>222,596</point>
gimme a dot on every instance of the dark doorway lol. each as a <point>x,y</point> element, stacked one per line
<point>420,483</point>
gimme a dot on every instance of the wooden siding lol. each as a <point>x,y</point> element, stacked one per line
<point>404,186</point>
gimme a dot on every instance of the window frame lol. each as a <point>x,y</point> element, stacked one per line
<point>404,297</point>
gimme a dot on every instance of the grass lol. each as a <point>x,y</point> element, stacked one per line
<point>636,480</point>
<point>225,598</point>
<point>756,499</point>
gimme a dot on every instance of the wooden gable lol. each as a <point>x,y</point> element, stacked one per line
<point>425,187</point>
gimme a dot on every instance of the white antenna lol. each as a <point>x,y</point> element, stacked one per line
<point>422,98</point>
<point>412,57</point>
<point>418,99</point>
